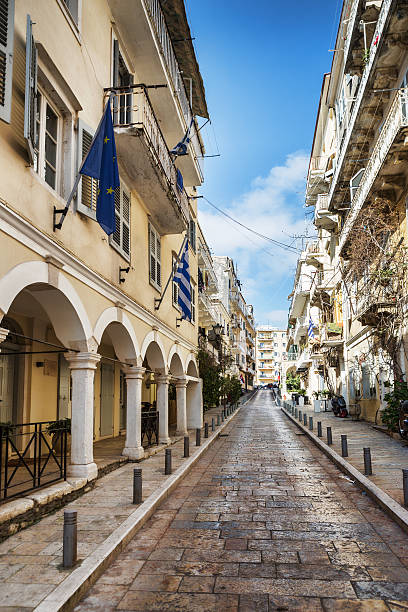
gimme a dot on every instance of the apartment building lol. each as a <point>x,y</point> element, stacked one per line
<point>241,327</point>
<point>351,281</point>
<point>271,354</point>
<point>82,332</point>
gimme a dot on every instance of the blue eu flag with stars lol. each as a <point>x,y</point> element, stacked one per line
<point>101,164</point>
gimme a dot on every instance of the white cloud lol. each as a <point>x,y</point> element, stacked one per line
<point>273,207</point>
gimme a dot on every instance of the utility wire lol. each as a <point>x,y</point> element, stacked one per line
<point>287,247</point>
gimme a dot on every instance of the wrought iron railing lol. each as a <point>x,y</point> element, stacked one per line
<point>132,108</point>
<point>150,428</point>
<point>30,457</point>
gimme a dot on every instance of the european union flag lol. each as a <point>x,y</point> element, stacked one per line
<point>101,164</point>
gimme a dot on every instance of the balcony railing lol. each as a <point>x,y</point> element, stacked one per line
<point>397,119</point>
<point>322,202</point>
<point>378,34</point>
<point>350,28</point>
<point>208,264</point>
<point>163,38</point>
<point>131,109</point>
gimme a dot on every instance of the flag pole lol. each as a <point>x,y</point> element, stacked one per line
<point>64,211</point>
<point>158,301</point>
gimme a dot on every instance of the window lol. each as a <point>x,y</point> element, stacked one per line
<point>355,182</point>
<point>193,305</point>
<point>154,258</point>
<point>120,239</point>
<point>192,234</point>
<point>72,6</point>
<point>175,292</point>
<point>47,142</point>
<point>87,193</point>
<point>6,57</point>
<point>122,104</point>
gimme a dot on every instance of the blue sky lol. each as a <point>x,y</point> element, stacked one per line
<point>262,65</point>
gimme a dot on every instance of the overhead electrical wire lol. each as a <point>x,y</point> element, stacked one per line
<point>282,245</point>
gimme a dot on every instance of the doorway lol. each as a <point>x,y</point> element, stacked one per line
<point>107,399</point>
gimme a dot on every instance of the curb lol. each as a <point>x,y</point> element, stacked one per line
<point>389,505</point>
<point>71,590</point>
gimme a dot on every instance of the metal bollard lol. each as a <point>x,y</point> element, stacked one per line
<point>167,461</point>
<point>304,418</point>
<point>206,430</point>
<point>319,429</point>
<point>367,462</point>
<point>405,486</point>
<point>137,485</point>
<point>329,436</point>
<point>218,420</point>
<point>222,416</point>
<point>300,415</point>
<point>70,540</point>
<point>212,424</point>
<point>296,413</point>
<point>344,448</point>
<point>311,423</point>
<point>198,437</point>
<point>186,446</point>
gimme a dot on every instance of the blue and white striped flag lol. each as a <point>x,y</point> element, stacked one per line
<point>310,332</point>
<point>182,278</point>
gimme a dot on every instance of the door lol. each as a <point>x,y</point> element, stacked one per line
<point>7,386</point>
<point>107,397</point>
<point>64,388</point>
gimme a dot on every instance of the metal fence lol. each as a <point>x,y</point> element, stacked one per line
<point>150,427</point>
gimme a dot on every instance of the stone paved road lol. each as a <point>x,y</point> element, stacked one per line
<point>263,522</point>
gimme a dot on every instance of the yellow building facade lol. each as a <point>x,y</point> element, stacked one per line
<point>82,335</point>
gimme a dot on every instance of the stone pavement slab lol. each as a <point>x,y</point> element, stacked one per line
<point>324,547</point>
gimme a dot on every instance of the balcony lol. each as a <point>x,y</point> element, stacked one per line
<point>316,179</point>
<point>380,169</point>
<point>300,329</point>
<point>300,295</point>
<point>292,356</point>
<point>145,158</point>
<point>304,361</point>
<point>331,334</point>
<point>205,263</point>
<point>144,31</point>
<point>323,217</point>
<point>314,253</point>
<point>207,316</point>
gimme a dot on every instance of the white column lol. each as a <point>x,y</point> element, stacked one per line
<point>133,446</point>
<point>83,366</point>
<point>3,334</point>
<point>195,404</point>
<point>163,408</point>
<point>181,390</point>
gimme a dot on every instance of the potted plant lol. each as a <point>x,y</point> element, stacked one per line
<point>55,429</point>
<point>6,429</point>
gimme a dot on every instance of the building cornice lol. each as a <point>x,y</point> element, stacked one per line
<point>16,226</point>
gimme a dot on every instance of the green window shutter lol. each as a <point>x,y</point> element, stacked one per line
<point>30,102</point>
<point>87,193</point>
<point>6,57</point>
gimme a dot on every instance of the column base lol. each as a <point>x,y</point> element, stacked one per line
<point>164,440</point>
<point>87,470</point>
<point>182,432</point>
<point>133,453</point>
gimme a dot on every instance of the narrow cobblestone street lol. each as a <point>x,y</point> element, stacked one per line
<point>263,522</point>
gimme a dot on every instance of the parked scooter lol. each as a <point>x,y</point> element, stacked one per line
<point>403,419</point>
<point>339,406</point>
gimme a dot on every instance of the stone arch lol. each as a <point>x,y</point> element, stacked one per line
<point>175,364</point>
<point>191,367</point>
<point>153,350</point>
<point>56,296</point>
<point>117,324</point>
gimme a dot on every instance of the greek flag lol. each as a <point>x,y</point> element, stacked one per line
<point>182,278</point>
<point>310,329</point>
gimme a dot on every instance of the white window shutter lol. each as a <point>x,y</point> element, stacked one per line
<point>87,193</point>
<point>6,57</point>
<point>30,102</point>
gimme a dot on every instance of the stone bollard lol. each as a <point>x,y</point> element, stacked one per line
<point>329,436</point>
<point>367,462</point>
<point>186,446</point>
<point>70,539</point>
<point>137,486</point>
<point>344,447</point>
<point>167,461</point>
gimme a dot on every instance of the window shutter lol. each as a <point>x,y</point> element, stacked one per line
<point>6,57</point>
<point>87,193</point>
<point>125,222</point>
<point>158,261</point>
<point>30,103</point>
<point>116,233</point>
<point>192,234</point>
<point>152,255</point>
